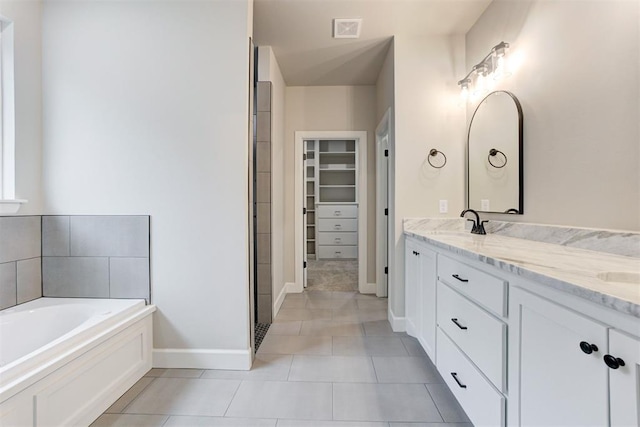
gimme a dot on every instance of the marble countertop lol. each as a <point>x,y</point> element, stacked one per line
<point>573,270</point>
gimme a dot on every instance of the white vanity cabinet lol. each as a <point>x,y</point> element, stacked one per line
<point>420,294</point>
<point>517,352</point>
<point>557,371</point>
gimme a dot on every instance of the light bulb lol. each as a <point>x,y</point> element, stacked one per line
<point>464,89</point>
<point>500,61</point>
<point>481,80</point>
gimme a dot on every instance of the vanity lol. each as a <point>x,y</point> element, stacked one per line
<point>523,332</point>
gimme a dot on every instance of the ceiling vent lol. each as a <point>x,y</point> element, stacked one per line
<point>347,28</point>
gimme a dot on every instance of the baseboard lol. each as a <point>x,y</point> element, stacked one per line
<point>398,324</point>
<point>200,358</point>
<point>369,288</point>
<point>279,300</point>
<point>294,288</point>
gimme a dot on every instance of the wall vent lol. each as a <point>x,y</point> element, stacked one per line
<point>347,28</point>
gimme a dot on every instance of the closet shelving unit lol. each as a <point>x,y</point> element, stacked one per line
<point>310,193</point>
<point>333,164</point>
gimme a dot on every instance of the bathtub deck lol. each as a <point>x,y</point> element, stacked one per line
<point>328,357</point>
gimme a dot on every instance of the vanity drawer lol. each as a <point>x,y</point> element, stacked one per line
<point>337,211</point>
<point>488,290</point>
<point>333,252</point>
<point>484,405</point>
<point>330,224</point>
<point>479,335</point>
<point>338,238</point>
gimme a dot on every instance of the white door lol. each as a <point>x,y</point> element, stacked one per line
<point>624,379</point>
<point>305,215</point>
<point>563,380</point>
<point>382,211</point>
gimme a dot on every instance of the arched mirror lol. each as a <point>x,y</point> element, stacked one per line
<point>494,155</point>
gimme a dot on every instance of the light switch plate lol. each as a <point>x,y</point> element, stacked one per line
<point>484,205</point>
<point>444,206</point>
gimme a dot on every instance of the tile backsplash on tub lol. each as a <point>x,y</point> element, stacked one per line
<point>20,262</point>
<point>104,256</point>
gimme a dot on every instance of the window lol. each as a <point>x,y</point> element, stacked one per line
<point>7,112</point>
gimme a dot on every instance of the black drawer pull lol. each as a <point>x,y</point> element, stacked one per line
<point>458,324</point>
<point>613,362</point>
<point>455,276</point>
<point>455,377</point>
<point>588,348</point>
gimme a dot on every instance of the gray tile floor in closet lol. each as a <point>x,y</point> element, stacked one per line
<point>330,359</point>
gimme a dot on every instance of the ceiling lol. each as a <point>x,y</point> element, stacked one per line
<point>300,33</point>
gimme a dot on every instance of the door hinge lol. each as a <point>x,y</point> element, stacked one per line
<point>304,211</point>
<point>386,211</point>
<point>304,157</point>
<point>304,264</point>
<point>386,153</point>
<point>386,270</point>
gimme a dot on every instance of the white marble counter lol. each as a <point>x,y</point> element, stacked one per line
<point>568,269</point>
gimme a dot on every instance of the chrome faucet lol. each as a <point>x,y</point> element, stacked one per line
<point>478,226</point>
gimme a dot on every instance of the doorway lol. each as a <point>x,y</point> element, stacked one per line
<point>330,196</point>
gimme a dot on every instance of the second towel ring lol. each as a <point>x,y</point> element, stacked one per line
<point>433,153</point>
<point>492,153</point>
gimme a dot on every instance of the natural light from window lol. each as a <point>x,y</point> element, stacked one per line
<point>7,112</point>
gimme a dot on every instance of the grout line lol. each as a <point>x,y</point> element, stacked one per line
<point>434,402</point>
<point>375,371</point>
<point>233,397</point>
<point>138,395</point>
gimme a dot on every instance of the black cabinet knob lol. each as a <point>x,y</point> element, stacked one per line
<point>612,361</point>
<point>588,348</point>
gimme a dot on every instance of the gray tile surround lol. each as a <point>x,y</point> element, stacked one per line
<point>101,256</point>
<point>263,198</point>
<point>20,260</point>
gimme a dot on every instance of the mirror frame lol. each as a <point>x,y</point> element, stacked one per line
<point>520,154</point>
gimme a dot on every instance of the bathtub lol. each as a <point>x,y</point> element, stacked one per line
<point>63,361</point>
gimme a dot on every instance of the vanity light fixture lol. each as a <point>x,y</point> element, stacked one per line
<point>494,66</point>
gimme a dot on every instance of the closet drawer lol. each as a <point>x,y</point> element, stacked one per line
<point>482,403</point>
<point>337,211</point>
<point>338,238</point>
<point>327,224</point>
<point>334,252</point>
<point>479,335</point>
<point>488,290</point>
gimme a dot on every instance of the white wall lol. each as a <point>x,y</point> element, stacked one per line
<point>146,112</point>
<point>427,115</point>
<point>269,70</point>
<point>27,19</point>
<point>329,108</point>
<point>580,94</point>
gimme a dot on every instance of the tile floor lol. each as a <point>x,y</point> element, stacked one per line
<point>330,359</point>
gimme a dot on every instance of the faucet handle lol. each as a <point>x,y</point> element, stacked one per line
<point>475,225</point>
<point>481,229</point>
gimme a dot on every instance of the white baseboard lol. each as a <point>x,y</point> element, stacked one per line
<point>279,300</point>
<point>294,288</point>
<point>398,324</point>
<point>200,358</point>
<point>369,288</point>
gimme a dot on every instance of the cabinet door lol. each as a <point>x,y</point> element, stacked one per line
<point>624,383</point>
<point>411,287</point>
<point>558,384</point>
<point>427,284</point>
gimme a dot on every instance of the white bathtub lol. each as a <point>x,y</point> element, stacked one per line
<point>63,361</point>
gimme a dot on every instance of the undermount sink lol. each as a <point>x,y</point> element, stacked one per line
<point>625,277</point>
